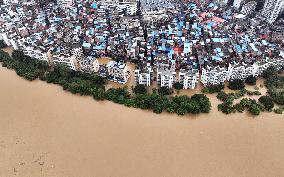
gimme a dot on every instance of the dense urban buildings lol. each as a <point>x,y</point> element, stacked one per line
<point>169,41</point>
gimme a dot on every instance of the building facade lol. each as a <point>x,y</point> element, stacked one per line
<point>272,9</point>
<point>144,75</point>
<point>237,4</point>
<point>65,3</point>
<point>118,72</point>
<point>189,78</point>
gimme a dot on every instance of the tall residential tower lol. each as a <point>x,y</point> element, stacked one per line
<point>237,3</point>
<point>65,3</point>
<point>272,9</point>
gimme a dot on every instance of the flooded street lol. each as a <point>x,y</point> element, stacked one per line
<point>48,132</point>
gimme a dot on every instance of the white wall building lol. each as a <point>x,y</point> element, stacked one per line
<point>65,3</point>
<point>166,78</point>
<point>213,76</point>
<point>77,52</point>
<point>249,8</point>
<point>166,71</point>
<point>144,75</point>
<point>5,38</point>
<point>118,72</point>
<point>10,1</point>
<point>129,5</point>
<point>36,53</point>
<point>189,78</point>
<point>242,71</point>
<point>89,65</point>
<point>14,44</point>
<point>152,16</point>
<point>237,3</point>
<point>272,9</point>
<point>69,61</point>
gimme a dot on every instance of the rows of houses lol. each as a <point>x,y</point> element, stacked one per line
<point>184,41</point>
<point>218,75</point>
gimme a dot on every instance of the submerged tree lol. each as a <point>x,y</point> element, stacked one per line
<point>236,84</point>
<point>140,89</point>
<point>267,102</point>
<point>251,80</point>
<point>2,44</point>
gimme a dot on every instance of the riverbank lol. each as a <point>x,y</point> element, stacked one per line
<point>194,103</point>
<point>46,131</point>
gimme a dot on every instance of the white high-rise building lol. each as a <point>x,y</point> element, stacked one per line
<point>129,5</point>
<point>248,8</point>
<point>10,1</point>
<point>272,9</point>
<point>237,3</point>
<point>65,3</point>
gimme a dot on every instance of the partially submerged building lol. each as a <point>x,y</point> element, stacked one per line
<point>189,78</point>
<point>89,64</point>
<point>162,38</point>
<point>144,74</point>
<point>118,72</point>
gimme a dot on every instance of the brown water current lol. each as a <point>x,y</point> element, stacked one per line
<point>47,132</point>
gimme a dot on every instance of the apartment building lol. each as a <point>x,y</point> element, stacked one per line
<point>77,51</point>
<point>213,76</point>
<point>152,16</point>
<point>118,72</point>
<point>166,76</point>
<point>237,3</point>
<point>65,3</point>
<point>89,65</point>
<point>144,74</point>
<point>189,78</point>
<point>127,6</point>
<point>249,8</point>
<point>10,1</point>
<point>272,9</point>
<point>68,60</point>
<point>36,53</point>
<point>242,71</point>
<point>5,38</point>
<point>167,79</point>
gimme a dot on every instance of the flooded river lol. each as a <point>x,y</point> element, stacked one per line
<point>47,132</point>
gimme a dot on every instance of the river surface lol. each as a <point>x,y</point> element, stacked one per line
<point>47,132</point>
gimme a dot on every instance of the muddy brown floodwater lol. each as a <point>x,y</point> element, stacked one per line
<point>46,132</point>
